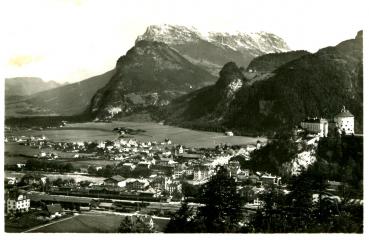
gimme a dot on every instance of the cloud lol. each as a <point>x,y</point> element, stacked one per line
<point>22,60</point>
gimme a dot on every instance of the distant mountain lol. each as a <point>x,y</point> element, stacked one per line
<point>70,99</point>
<point>213,50</point>
<point>25,86</point>
<point>149,75</point>
<point>309,85</point>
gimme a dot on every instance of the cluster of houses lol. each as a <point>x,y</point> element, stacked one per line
<point>170,165</point>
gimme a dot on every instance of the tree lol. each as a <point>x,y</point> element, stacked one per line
<point>241,159</point>
<point>91,170</point>
<point>67,168</point>
<point>107,171</point>
<point>189,190</point>
<point>85,183</point>
<point>141,172</point>
<point>181,221</point>
<point>272,217</point>
<point>298,212</point>
<point>177,195</point>
<point>58,182</point>
<point>125,225</point>
<point>46,185</point>
<point>137,226</point>
<point>271,157</point>
<point>222,210</point>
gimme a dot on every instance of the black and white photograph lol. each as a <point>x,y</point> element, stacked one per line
<point>238,117</point>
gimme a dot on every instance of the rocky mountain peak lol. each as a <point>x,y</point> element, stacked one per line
<point>260,42</point>
<point>170,34</point>
<point>174,34</point>
<point>230,74</point>
<point>149,75</point>
<point>212,50</point>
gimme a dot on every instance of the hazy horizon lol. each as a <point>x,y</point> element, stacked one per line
<point>71,40</point>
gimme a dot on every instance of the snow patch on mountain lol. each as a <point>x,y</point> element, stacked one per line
<point>260,42</point>
<point>170,34</point>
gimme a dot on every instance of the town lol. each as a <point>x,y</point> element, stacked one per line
<point>148,180</point>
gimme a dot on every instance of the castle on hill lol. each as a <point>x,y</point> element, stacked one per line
<point>343,121</point>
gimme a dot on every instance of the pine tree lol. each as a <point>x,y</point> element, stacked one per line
<point>181,221</point>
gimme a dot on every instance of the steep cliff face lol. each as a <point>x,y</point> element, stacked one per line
<point>150,74</point>
<point>212,50</point>
<point>311,85</point>
<point>209,103</point>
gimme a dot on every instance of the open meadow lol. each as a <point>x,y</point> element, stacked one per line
<point>93,223</point>
<point>16,153</point>
<point>98,131</point>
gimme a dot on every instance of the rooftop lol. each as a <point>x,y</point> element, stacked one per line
<point>54,208</point>
<point>116,178</point>
<point>58,198</point>
<point>344,113</point>
<point>315,120</point>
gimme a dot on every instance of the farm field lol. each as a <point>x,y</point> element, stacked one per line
<point>16,153</point>
<point>77,163</point>
<point>16,148</point>
<point>92,223</point>
<point>187,137</point>
<point>97,131</point>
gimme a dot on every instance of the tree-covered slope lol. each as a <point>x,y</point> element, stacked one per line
<point>313,85</point>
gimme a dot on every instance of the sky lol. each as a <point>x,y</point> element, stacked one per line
<point>71,40</point>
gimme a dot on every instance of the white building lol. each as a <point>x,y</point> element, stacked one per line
<point>345,121</point>
<point>180,150</point>
<point>11,180</point>
<point>229,133</point>
<point>317,126</point>
<point>18,203</point>
<point>200,174</point>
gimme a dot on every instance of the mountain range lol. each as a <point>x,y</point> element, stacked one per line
<point>166,61</point>
<point>70,99</point>
<point>25,86</point>
<point>214,49</point>
<point>169,74</point>
<point>297,85</point>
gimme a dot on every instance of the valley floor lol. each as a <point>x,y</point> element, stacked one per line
<point>95,131</point>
